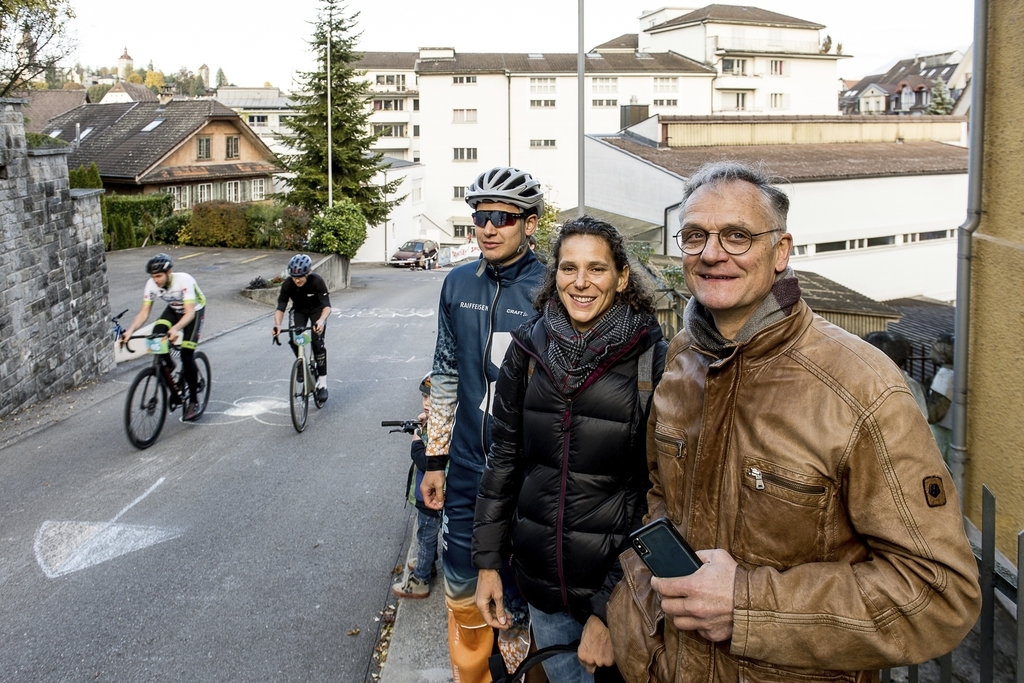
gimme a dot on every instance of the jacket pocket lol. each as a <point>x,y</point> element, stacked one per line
<point>670,443</point>
<point>759,672</point>
<point>636,621</point>
<point>781,517</point>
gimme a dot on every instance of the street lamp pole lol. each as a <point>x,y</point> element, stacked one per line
<point>330,141</point>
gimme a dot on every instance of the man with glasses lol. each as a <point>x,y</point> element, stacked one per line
<point>793,457</point>
<point>481,303</point>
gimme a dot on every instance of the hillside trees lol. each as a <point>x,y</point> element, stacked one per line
<point>33,38</point>
<point>354,164</point>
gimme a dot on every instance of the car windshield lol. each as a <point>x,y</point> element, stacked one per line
<point>412,246</point>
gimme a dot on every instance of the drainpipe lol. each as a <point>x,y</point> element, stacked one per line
<point>962,326</point>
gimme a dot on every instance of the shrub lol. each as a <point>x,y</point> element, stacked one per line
<point>169,230</point>
<point>122,233</point>
<point>258,282</point>
<point>219,224</point>
<point>140,209</point>
<point>82,177</point>
<point>294,228</point>
<point>41,141</point>
<point>340,230</point>
<point>264,222</point>
<point>673,277</point>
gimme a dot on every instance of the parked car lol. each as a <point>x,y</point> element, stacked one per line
<point>415,254</point>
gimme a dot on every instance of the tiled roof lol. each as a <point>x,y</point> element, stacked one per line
<point>923,319</point>
<point>908,71</point>
<point>136,91</point>
<point>737,14</point>
<point>43,105</point>
<point>607,62</point>
<point>117,143</point>
<point>634,229</point>
<point>627,41</point>
<point>803,163</point>
<point>172,174</point>
<point>387,60</point>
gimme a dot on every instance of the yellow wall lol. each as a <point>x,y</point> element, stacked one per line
<point>995,438</point>
<point>218,132</point>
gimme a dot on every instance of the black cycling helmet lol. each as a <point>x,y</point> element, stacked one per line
<point>508,185</point>
<point>425,385</point>
<point>299,266</point>
<point>160,263</point>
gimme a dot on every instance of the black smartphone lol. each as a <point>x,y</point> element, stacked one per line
<point>663,550</point>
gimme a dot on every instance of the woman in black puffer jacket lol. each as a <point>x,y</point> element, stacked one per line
<point>566,476</point>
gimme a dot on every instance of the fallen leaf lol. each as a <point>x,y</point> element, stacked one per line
<point>353,632</point>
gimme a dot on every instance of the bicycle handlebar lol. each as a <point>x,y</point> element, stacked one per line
<point>295,328</point>
<point>407,426</point>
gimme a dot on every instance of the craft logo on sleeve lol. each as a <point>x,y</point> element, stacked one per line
<point>934,493</point>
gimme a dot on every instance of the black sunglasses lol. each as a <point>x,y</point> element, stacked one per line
<point>498,219</point>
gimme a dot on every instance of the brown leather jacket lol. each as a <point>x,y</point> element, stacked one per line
<point>804,455</point>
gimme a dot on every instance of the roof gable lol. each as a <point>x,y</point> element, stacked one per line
<point>562,63</point>
<point>736,14</point>
<point>43,105</point>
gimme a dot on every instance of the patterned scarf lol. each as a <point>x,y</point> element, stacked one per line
<point>572,356</point>
<point>699,324</point>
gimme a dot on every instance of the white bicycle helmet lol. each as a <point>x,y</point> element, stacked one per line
<point>508,185</point>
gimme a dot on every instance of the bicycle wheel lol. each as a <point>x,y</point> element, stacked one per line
<point>297,396</point>
<point>202,381</point>
<point>145,409</point>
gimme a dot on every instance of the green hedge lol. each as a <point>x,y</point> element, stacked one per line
<point>219,224</point>
<point>82,177</point>
<point>141,209</point>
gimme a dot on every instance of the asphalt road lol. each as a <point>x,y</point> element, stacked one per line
<point>234,549</point>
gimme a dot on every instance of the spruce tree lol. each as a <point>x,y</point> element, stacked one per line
<point>940,101</point>
<point>353,162</point>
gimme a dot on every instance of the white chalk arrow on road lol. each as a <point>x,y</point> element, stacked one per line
<point>65,547</point>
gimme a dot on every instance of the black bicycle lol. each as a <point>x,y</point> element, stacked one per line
<point>160,388</point>
<point>302,377</point>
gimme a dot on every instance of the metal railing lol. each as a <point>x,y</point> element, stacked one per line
<point>993,578</point>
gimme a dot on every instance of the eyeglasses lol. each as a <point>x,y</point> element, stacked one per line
<point>499,219</point>
<point>735,241</point>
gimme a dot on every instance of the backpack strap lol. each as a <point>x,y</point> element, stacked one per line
<point>499,674</point>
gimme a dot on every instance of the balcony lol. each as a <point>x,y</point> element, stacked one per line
<point>766,45</point>
<point>732,82</point>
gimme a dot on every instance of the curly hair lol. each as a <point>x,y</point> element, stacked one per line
<point>638,292</point>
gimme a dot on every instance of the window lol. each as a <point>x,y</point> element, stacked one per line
<point>465,154</point>
<point>204,192</point>
<point>257,120</point>
<point>779,100</point>
<point>666,85</point>
<point>459,192</point>
<point>463,80</point>
<point>396,81</point>
<point>259,189</point>
<point>799,250</point>
<point>542,143</point>
<point>416,105</point>
<point>203,147</point>
<point>389,130</point>
<point>542,85</point>
<point>463,230</point>
<point>605,103</point>
<point>389,105</point>
<point>416,155</point>
<point>463,115</point>
<point>778,68</point>
<point>231,151</point>
<point>417,191</point>
<point>735,101</point>
<point>934,235</point>
<point>416,131</point>
<point>823,247</point>
<point>233,191</point>
<point>881,241</point>
<point>605,85</point>
<point>666,103</point>
<point>734,67</point>
<point>180,194</point>
<point>149,126</point>
<point>541,104</point>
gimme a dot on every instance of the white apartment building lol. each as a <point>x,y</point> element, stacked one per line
<point>406,221</point>
<point>462,113</point>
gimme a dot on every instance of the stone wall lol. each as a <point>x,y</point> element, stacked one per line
<point>54,304</point>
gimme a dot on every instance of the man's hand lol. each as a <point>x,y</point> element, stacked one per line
<point>172,336</point>
<point>595,645</point>
<point>490,598</point>
<point>319,327</point>
<point>432,489</point>
<point>702,601</point>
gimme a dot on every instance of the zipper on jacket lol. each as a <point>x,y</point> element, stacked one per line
<point>675,443</point>
<point>487,361</point>
<point>760,477</point>
<point>566,419</point>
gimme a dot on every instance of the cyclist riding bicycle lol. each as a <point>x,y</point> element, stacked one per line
<point>186,308</point>
<point>310,302</point>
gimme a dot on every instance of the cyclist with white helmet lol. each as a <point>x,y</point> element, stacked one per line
<point>480,304</point>
<point>186,309</point>
<point>310,302</point>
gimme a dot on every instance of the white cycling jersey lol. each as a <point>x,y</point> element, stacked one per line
<point>181,289</point>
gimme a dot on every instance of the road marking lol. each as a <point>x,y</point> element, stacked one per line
<point>198,253</point>
<point>65,547</point>
<point>255,258</point>
<point>384,312</point>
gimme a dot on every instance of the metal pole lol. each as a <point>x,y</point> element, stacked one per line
<point>330,139</point>
<point>581,62</point>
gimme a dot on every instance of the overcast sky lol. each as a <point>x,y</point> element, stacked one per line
<point>260,41</point>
